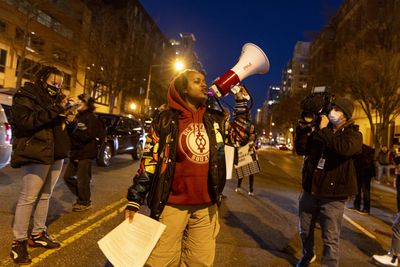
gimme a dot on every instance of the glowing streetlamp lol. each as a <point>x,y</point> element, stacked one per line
<point>133,106</point>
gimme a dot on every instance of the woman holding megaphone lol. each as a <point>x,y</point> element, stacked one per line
<point>183,174</point>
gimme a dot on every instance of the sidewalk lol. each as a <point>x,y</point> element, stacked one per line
<point>389,187</point>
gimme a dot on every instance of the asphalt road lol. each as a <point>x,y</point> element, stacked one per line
<point>255,231</point>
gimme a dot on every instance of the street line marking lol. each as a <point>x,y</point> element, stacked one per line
<point>76,225</point>
<point>270,162</point>
<point>75,237</point>
<point>91,217</point>
<point>359,227</point>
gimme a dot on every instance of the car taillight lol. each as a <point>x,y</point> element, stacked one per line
<point>7,132</point>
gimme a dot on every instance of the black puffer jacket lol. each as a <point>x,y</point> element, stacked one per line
<point>156,180</point>
<point>337,179</point>
<point>39,135</point>
<point>85,132</point>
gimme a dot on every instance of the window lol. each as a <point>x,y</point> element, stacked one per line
<point>29,69</point>
<point>3,26</point>
<point>3,59</point>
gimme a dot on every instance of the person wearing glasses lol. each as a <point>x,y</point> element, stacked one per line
<point>40,145</point>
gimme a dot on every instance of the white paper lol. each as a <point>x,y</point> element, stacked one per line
<point>229,158</point>
<point>130,244</point>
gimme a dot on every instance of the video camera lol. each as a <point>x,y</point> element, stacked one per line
<point>318,103</point>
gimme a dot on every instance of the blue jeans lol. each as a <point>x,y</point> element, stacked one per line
<point>395,247</point>
<point>329,213</point>
<point>381,170</point>
<point>37,185</point>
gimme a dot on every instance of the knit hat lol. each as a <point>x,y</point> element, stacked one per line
<point>344,105</point>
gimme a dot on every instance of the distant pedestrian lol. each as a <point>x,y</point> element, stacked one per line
<point>365,170</point>
<point>384,160</point>
<point>85,131</point>
<point>39,147</point>
<point>329,179</point>
<point>252,146</point>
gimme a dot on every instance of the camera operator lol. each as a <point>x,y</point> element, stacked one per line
<point>328,178</point>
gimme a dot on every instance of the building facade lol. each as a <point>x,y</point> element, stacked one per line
<point>33,34</point>
<point>365,30</point>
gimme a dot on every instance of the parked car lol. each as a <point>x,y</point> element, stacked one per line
<point>5,127</point>
<point>125,135</point>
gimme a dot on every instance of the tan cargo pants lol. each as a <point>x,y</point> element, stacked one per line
<point>189,238</point>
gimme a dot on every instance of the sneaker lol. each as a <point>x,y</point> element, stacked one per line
<point>19,252</point>
<point>237,189</point>
<point>363,212</point>
<point>353,208</point>
<point>43,240</point>
<point>81,207</point>
<point>305,261</point>
<point>251,194</point>
<point>385,260</point>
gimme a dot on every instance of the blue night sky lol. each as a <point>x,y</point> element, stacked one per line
<point>222,27</point>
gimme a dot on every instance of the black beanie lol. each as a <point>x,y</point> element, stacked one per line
<point>345,105</point>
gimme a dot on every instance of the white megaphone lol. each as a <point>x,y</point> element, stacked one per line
<point>252,61</point>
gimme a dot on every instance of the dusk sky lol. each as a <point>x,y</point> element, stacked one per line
<point>222,27</point>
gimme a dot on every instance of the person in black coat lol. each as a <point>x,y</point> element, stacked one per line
<point>328,178</point>
<point>85,131</point>
<point>40,144</point>
<point>365,170</point>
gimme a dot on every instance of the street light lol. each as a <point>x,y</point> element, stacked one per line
<point>178,66</point>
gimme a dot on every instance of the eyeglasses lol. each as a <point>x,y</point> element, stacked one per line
<point>56,84</point>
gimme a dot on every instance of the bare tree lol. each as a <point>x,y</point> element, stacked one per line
<point>287,111</point>
<point>373,79</point>
<point>119,52</point>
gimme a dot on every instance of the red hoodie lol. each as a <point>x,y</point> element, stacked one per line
<point>190,182</point>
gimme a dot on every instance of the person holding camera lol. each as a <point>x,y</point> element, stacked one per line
<point>40,144</point>
<point>328,178</point>
<point>85,131</point>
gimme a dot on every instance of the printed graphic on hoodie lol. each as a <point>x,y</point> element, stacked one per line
<point>194,143</point>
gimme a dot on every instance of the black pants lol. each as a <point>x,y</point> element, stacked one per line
<point>398,193</point>
<point>77,176</point>
<point>364,189</point>
<point>251,182</point>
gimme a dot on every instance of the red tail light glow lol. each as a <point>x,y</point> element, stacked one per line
<point>7,132</point>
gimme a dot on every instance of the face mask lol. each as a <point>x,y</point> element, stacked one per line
<point>335,118</point>
<point>52,90</point>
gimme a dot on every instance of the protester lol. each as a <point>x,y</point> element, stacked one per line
<point>329,178</point>
<point>85,131</point>
<point>39,146</point>
<point>365,170</point>
<point>184,172</point>
<point>384,161</point>
<point>252,145</point>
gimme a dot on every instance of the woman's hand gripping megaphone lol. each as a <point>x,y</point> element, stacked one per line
<point>240,92</point>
